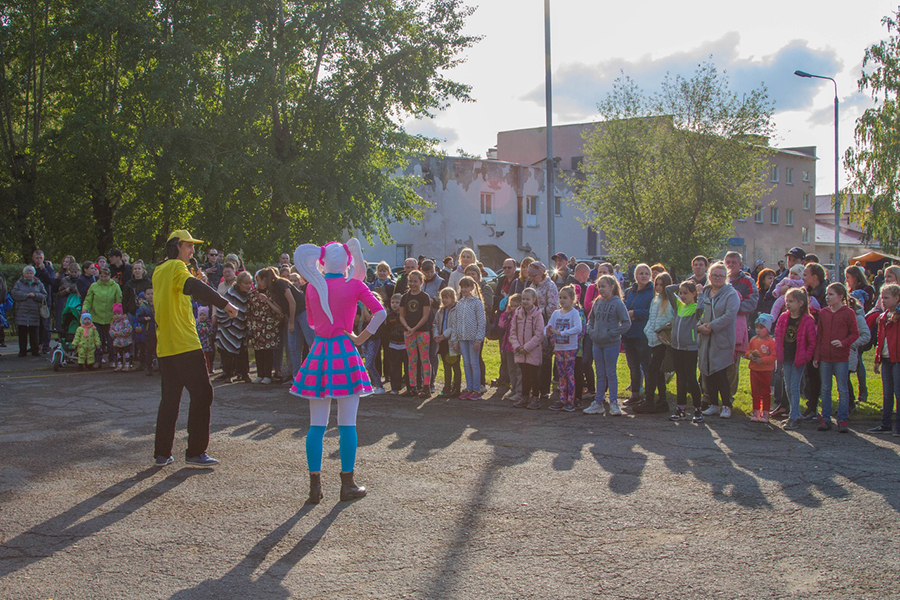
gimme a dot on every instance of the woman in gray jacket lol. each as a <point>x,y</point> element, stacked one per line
<point>720,304</point>
<point>29,294</point>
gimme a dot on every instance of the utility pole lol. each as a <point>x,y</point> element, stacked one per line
<point>551,198</point>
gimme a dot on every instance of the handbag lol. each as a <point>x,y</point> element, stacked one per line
<point>664,334</point>
<point>45,310</point>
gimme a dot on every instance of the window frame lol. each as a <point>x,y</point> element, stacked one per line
<point>789,217</point>
<point>773,215</point>
<point>757,215</point>
<point>487,208</point>
<point>773,173</point>
<point>531,218</point>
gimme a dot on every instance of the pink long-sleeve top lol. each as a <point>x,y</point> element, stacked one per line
<point>343,296</point>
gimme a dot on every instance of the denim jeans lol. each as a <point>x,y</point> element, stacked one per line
<point>470,364</point>
<point>838,371</point>
<point>283,345</point>
<point>793,376</point>
<point>890,383</point>
<point>308,333</point>
<point>605,360</point>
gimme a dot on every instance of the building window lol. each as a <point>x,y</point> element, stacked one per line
<point>404,251</point>
<point>773,214</point>
<point>789,176</point>
<point>557,208</point>
<point>758,255</point>
<point>776,256</point>
<point>487,209</point>
<point>806,176</point>
<point>531,211</point>
<point>805,201</point>
<point>757,216</point>
<point>804,235</point>
<point>773,173</point>
<point>789,217</point>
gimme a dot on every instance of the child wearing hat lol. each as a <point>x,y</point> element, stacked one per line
<point>762,357</point>
<point>794,279</point>
<point>86,342</point>
<point>120,331</point>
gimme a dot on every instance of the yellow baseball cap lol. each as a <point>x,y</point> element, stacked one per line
<point>183,236</point>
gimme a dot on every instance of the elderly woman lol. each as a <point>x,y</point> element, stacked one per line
<point>29,294</point>
<point>720,304</point>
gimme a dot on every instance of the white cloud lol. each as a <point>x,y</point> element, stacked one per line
<point>577,87</point>
<point>428,128</point>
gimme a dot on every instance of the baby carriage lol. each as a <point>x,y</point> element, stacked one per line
<point>63,349</point>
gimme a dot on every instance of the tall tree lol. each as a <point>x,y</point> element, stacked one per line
<point>666,174</point>
<point>874,164</point>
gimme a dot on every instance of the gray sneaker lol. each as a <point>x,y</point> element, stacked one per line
<point>596,408</point>
<point>792,424</point>
<point>535,404</point>
<point>614,410</point>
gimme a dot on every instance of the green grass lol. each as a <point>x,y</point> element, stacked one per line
<point>871,408</point>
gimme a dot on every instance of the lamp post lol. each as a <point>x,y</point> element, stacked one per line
<point>837,191</point>
<point>551,200</point>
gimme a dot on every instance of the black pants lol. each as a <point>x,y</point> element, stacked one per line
<point>452,371</point>
<point>686,376</point>
<point>531,375</point>
<point>545,371</point>
<point>180,371</point>
<point>148,352</point>
<point>655,378</point>
<point>503,378</point>
<point>717,385</point>
<point>264,360</point>
<point>637,353</point>
<point>235,364</point>
<point>397,360</point>
<point>813,386</point>
<point>29,333</point>
<point>106,346</point>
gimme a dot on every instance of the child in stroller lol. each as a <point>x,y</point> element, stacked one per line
<point>64,351</point>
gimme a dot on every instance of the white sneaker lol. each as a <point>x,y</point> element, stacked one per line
<point>483,389</point>
<point>596,408</point>
<point>712,411</point>
<point>258,380</point>
<point>378,391</point>
<point>725,413</point>
<point>266,381</point>
<point>614,410</point>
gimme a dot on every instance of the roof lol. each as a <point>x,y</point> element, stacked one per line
<point>825,235</point>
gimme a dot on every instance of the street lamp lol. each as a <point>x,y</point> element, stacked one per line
<point>551,198</point>
<point>837,192</point>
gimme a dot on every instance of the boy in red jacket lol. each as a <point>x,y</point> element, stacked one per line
<point>762,357</point>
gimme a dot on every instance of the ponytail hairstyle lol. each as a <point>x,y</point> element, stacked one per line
<point>569,290</point>
<point>335,258</point>
<point>841,291</point>
<point>613,283</point>
<point>690,285</point>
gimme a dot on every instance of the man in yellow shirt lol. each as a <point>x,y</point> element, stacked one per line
<point>181,361</point>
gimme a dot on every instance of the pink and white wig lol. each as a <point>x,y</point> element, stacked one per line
<point>334,258</point>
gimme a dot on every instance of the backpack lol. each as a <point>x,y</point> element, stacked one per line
<point>872,321</point>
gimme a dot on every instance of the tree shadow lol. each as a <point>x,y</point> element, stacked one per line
<point>66,529</point>
<point>241,581</point>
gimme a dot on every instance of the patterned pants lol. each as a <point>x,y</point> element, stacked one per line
<point>565,365</point>
<point>417,351</point>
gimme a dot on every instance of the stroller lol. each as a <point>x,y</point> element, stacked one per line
<point>63,349</point>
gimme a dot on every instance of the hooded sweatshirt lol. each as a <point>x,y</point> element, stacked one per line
<point>684,323</point>
<point>608,322</point>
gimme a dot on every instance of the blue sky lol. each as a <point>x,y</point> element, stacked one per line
<point>594,42</point>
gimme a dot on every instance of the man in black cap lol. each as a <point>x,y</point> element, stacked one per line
<point>561,275</point>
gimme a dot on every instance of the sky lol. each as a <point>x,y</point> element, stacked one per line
<point>594,42</point>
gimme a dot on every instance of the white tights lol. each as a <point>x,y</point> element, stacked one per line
<point>320,410</point>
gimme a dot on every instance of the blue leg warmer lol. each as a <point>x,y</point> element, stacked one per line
<point>348,447</point>
<point>314,441</point>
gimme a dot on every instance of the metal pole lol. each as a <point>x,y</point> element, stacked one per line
<point>551,200</point>
<point>837,194</point>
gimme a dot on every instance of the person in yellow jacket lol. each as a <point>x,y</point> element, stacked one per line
<point>181,361</point>
<point>99,301</point>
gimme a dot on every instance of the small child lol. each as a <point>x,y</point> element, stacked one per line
<point>443,331</point>
<point>145,329</point>
<point>887,358</point>
<point>607,323</point>
<point>370,346</point>
<point>565,327</point>
<point>837,330</point>
<point>120,331</point>
<point>415,308</point>
<point>205,333</point>
<point>795,344</point>
<point>793,280</point>
<point>396,345</point>
<point>86,342</point>
<point>512,369</point>
<point>4,323</point>
<point>526,332</point>
<point>467,335</point>
<point>685,347</point>
<point>762,356</point>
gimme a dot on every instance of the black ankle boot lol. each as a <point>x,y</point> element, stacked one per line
<point>349,489</point>
<point>315,488</point>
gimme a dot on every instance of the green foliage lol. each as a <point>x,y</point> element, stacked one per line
<point>666,175</point>
<point>254,125</point>
<point>874,164</point>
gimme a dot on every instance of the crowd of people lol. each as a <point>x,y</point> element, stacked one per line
<point>564,327</point>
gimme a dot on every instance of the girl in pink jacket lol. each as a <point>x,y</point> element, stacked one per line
<point>795,344</point>
<point>525,335</point>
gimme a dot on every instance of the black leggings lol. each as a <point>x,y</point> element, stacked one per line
<point>531,375</point>
<point>654,377</point>
<point>235,364</point>
<point>686,376</point>
<point>717,384</point>
<point>29,333</point>
<point>264,360</point>
<point>186,370</point>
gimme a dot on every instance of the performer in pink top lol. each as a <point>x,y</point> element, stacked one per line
<point>333,368</point>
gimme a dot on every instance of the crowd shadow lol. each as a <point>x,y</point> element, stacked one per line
<point>241,580</point>
<point>66,529</point>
